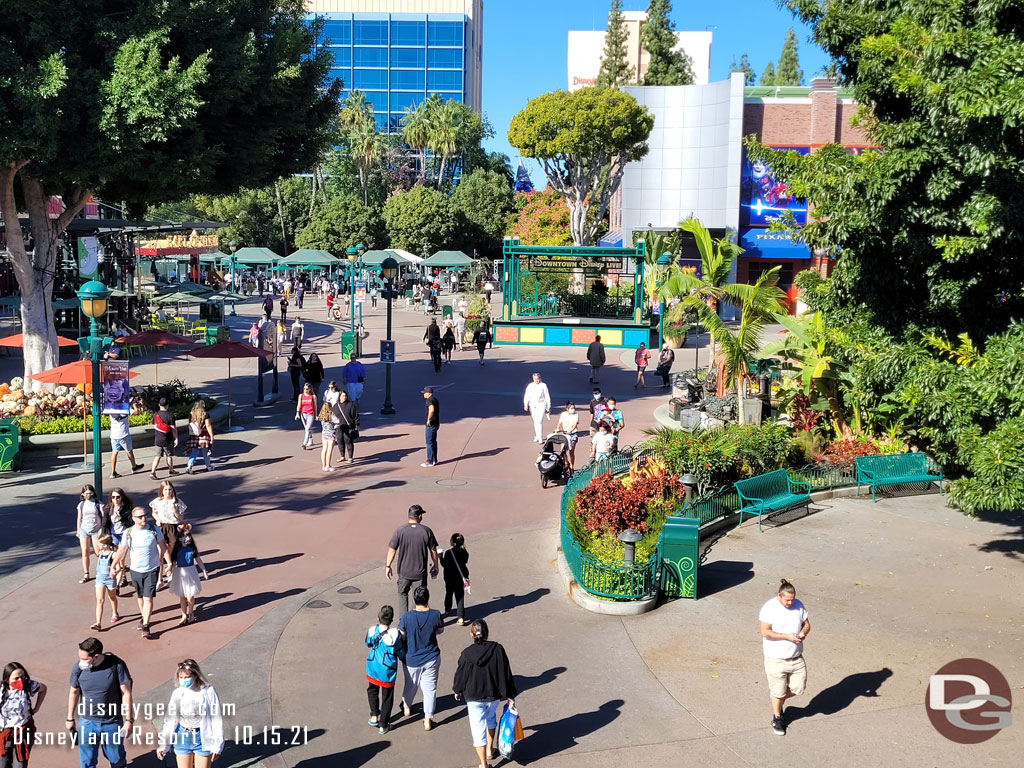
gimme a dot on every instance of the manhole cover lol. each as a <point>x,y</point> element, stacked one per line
<point>452,482</point>
<point>357,606</point>
<point>318,604</point>
<point>349,590</point>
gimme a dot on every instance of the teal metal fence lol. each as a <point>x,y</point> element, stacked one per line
<point>632,582</point>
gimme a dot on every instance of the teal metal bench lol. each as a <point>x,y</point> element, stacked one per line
<point>895,469</point>
<point>771,492</point>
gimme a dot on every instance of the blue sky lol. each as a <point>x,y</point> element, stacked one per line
<point>525,47</point>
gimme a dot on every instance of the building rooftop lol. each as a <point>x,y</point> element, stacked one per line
<point>787,92</point>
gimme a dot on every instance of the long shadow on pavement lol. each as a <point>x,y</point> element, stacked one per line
<point>1011,547</point>
<point>838,697</point>
<point>350,758</point>
<point>549,739</point>
<point>224,567</point>
<point>526,682</point>
<point>721,575</point>
<point>506,603</point>
<point>245,602</point>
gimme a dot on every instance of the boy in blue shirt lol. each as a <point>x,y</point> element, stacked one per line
<point>387,648</point>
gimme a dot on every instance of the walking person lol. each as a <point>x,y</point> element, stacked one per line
<point>143,550</point>
<point>354,374</point>
<point>298,331</point>
<point>481,337</point>
<point>119,511</point>
<point>184,583</point>
<point>348,427</point>
<point>537,402</point>
<point>306,410</point>
<point>106,583</point>
<point>420,628</point>
<point>165,438</point>
<point>455,567</point>
<point>300,294</point>
<point>17,723</point>
<point>101,693</point>
<point>194,726</point>
<point>90,522</point>
<point>121,440</point>
<point>784,626</point>
<point>488,290</point>
<point>448,340</point>
<point>254,335</point>
<point>313,372</point>
<point>387,648</point>
<point>330,303</point>
<point>200,436</point>
<point>483,679</point>
<point>569,425</point>
<point>460,330</point>
<point>268,305</point>
<point>296,362</point>
<point>282,331</point>
<point>412,544</point>
<point>168,513</point>
<point>433,408</point>
<point>374,295</point>
<point>432,338</point>
<point>598,404</point>
<point>329,427</point>
<point>284,309</point>
<point>666,358</point>
<point>642,358</point>
<point>596,358</point>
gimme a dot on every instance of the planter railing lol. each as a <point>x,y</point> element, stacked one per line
<point>633,582</point>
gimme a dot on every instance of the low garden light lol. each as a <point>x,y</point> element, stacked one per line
<point>689,485</point>
<point>629,538</point>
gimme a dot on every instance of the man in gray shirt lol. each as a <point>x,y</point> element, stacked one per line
<point>143,546</point>
<point>411,544</point>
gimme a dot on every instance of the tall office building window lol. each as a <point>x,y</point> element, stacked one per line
<point>407,80</point>
<point>370,32</point>
<point>408,58</point>
<point>408,33</point>
<point>444,58</point>
<point>444,33</point>
<point>337,32</point>
<point>371,57</point>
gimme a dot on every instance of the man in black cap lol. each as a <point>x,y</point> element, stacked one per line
<point>165,437</point>
<point>433,423</point>
<point>411,544</point>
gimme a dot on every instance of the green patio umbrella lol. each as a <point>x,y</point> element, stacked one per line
<point>448,259</point>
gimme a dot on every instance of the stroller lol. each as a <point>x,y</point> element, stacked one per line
<point>553,462</point>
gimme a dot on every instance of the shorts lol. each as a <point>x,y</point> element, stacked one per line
<point>188,742</point>
<point>164,450</point>
<point>785,676</point>
<point>145,582</point>
<point>94,535</point>
<point>121,444</point>
<point>483,715</point>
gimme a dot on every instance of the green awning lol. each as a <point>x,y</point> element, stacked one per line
<point>309,257</point>
<point>256,257</point>
<point>376,258</point>
<point>448,259</point>
<point>213,258</point>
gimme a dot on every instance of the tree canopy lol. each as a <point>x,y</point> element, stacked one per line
<point>788,72</point>
<point>484,199</point>
<point>768,75</point>
<point>583,140</point>
<point>658,37</point>
<point>749,78</point>
<point>340,223</point>
<point>615,69</point>
<point>542,218</point>
<point>420,221</point>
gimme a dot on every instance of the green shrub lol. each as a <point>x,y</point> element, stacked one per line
<point>995,461</point>
<point>62,425</point>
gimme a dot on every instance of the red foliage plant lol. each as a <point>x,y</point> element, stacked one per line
<point>843,452</point>
<point>607,505</point>
<point>804,417</point>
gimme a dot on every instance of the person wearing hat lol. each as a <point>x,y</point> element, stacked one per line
<point>165,437</point>
<point>433,408</point>
<point>411,545</point>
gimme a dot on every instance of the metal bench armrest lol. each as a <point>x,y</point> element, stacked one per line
<point>804,483</point>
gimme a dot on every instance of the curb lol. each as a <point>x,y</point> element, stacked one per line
<point>588,602</point>
<point>142,436</point>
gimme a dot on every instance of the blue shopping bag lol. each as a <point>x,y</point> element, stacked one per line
<point>507,731</point>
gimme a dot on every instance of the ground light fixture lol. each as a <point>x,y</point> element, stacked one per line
<point>629,538</point>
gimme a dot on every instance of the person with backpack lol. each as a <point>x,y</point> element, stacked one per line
<point>481,337</point>
<point>387,648</point>
<point>432,338</point>
<point>143,547</point>
<point>165,438</point>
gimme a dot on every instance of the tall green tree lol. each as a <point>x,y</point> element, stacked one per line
<point>421,221</point>
<point>768,76</point>
<point>788,71</point>
<point>485,200</point>
<point>145,103</point>
<point>615,69</point>
<point>583,140</point>
<point>749,78</point>
<point>658,37</point>
<point>931,229</point>
<point>340,223</point>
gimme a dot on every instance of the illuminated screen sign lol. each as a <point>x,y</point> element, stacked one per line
<point>764,198</point>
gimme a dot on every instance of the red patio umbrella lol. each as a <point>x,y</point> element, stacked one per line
<point>230,350</point>
<point>73,374</point>
<point>157,338</point>
<point>18,340</point>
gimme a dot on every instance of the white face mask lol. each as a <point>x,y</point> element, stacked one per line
<point>84,665</point>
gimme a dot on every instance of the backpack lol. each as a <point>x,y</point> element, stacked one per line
<point>383,655</point>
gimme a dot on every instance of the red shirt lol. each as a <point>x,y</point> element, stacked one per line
<point>306,404</point>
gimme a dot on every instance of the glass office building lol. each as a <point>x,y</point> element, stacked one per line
<point>399,59</point>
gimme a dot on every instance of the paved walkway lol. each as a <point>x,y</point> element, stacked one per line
<point>903,586</point>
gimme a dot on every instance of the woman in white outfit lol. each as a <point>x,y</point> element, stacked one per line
<point>537,402</point>
<point>194,728</point>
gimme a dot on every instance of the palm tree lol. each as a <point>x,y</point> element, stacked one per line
<point>446,122</point>
<point>759,304</point>
<point>655,246</point>
<point>805,346</point>
<point>368,147</point>
<point>356,112</point>
<point>693,292</point>
<point>416,133</point>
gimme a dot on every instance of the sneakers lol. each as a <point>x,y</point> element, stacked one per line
<point>428,464</point>
<point>779,726</point>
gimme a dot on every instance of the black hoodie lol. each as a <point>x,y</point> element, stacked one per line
<point>484,673</point>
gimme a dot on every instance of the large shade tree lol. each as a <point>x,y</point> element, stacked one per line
<point>144,103</point>
<point>583,141</point>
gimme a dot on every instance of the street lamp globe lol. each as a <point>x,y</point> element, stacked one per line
<point>389,268</point>
<point>351,254</point>
<point>665,259</point>
<point>93,296</point>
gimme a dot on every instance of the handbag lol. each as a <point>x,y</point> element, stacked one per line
<point>507,731</point>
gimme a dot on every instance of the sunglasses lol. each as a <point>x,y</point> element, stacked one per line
<point>138,517</point>
<point>115,495</point>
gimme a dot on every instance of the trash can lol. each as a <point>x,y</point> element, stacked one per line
<point>215,333</point>
<point>10,446</point>
<point>348,344</point>
<point>680,552</point>
<point>446,312</point>
<point>212,312</point>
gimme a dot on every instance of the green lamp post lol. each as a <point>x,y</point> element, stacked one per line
<point>352,254</point>
<point>233,246</point>
<point>389,271</point>
<point>663,262</point>
<point>93,296</point>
